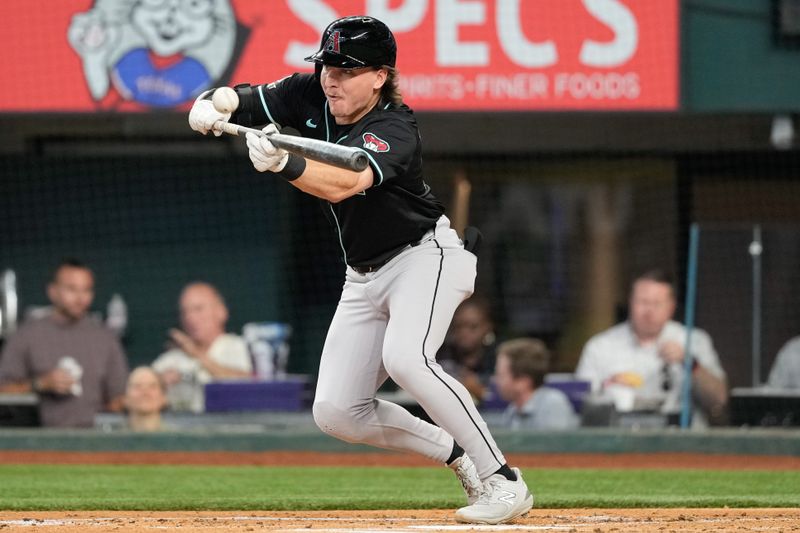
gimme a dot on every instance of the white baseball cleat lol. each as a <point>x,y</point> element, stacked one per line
<point>501,501</point>
<point>467,474</point>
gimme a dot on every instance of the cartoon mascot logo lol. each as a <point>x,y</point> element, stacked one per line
<point>159,53</point>
<point>375,143</point>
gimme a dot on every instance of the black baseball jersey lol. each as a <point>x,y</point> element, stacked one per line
<point>399,207</point>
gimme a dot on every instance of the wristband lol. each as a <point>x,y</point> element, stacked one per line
<point>294,167</point>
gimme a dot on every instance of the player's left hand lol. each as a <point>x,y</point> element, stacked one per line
<point>203,116</point>
<point>265,155</point>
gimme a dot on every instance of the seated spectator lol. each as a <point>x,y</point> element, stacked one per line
<point>641,360</point>
<point>145,398</point>
<point>203,352</point>
<point>521,367</point>
<point>75,364</point>
<point>785,373</point>
<point>468,351</point>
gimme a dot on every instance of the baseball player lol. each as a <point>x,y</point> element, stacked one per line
<point>407,270</point>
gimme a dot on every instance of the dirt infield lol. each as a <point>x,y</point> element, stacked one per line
<point>572,520</point>
<point>289,458</point>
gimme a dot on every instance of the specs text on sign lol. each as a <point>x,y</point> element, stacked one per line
<point>518,54</point>
<point>451,15</point>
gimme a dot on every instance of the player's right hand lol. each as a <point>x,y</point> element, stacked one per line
<point>203,116</point>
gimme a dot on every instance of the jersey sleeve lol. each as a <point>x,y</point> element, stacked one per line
<point>277,102</point>
<point>392,146</point>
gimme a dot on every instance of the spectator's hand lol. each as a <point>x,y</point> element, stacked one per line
<point>671,352</point>
<point>461,183</point>
<point>203,116</point>
<point>186,344</point>
<point>473,384</point>
<point>264,155</point>
<point>170,377</point>
<point>57,381</point>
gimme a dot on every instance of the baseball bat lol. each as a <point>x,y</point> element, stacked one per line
<point>325,152</point>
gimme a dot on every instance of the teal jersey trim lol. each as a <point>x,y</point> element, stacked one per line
<point>266,109</point>
<point>377,167</point>
<point>327,126</point>
<point>339,231</point>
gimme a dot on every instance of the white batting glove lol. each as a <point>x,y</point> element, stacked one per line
<point>265,155</point>
<point>203,116</point>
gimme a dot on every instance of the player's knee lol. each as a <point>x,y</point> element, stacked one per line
<point>337,422</point>
<point>327,417</point>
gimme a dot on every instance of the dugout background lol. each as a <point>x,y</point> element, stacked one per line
<point>571,205</point>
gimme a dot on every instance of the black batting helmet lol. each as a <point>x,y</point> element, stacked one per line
<point>355,42</point>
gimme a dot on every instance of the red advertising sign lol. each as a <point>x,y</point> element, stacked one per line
<point>121,55</point>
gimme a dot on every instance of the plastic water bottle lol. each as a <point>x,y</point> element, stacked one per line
<point>269,347</point>
<point>263,356</point>
<point>117,315</point>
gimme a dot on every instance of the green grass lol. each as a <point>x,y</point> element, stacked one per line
<point>43,487</point>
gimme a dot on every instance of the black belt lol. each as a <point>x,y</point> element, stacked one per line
<point>364,269</point>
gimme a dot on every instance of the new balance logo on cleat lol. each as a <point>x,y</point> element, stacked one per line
<point>507,498</point>
<point>502,501</point>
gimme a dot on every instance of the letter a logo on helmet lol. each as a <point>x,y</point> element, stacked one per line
<point>374,143</point>
<point>332,45</point>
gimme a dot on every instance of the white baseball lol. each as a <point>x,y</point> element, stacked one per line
<point>225,100</point>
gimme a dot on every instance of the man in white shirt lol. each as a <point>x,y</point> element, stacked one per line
<point>519,374</point>
<point>641,360</point>
<point>203,351</point>
<point>785,373</point>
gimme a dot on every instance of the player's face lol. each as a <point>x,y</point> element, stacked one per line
<point>72,292</point>
<point>203,315</point>
<point>353,92</point>
<point>651,306</point>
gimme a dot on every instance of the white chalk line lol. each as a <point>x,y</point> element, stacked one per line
<point>417,524</point>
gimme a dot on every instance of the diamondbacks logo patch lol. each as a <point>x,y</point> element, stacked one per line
<point>375,143</point>
<point>332,44</point>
